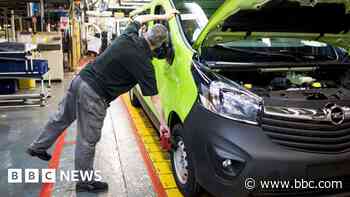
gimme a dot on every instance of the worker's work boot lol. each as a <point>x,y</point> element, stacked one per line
<point>94,187</point>
<point>41,154</point>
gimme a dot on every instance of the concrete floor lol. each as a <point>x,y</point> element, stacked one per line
<point>117,154</point>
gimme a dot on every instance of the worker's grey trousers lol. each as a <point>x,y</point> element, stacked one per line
<point>80,103</point>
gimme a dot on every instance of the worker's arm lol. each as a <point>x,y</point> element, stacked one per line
<point>163,128</point>
<point>150,17</point>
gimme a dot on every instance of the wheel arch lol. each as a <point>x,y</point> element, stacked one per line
<point>174,119</point>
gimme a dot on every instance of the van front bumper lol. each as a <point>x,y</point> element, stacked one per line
<point>227,153</point>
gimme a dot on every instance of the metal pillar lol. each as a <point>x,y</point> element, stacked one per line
<point>42,14</point>
<point>75,38</point>
<point>84,28</point>
<point>29,9</point>
<point>6,26</point>
<point>34,24</point>
<point>20,24</point>
<point>13,27</point>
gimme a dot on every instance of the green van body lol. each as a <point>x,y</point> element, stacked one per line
<point>176,86</point>
<point>217,151</point>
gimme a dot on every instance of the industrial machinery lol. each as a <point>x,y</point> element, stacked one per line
<point>17,61</point>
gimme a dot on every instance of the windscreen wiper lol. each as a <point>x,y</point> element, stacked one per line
<point>249,51</point>
<point>311,56</point>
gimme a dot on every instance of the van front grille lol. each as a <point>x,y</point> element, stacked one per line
<point>307,135</point>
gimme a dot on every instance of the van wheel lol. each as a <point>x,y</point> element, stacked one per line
<point>133,99</point>
<point>182,166</point>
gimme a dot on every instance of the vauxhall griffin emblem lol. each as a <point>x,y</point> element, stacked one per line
<point>334,113</point>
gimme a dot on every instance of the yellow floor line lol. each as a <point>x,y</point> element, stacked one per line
<point>160,158</point>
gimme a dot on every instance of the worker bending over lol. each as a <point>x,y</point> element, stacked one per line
<point>124,64</point>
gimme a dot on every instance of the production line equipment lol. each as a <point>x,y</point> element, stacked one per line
<point>18,61</point>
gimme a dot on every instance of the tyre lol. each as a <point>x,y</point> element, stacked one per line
<point>133,99</point>
<point>182,165</point>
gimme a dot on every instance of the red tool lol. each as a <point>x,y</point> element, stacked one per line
<point>165,142</point>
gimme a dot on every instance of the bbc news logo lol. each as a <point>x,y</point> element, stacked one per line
<point>51,175</point>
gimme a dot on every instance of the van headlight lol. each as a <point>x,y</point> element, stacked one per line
<point>228,99</point>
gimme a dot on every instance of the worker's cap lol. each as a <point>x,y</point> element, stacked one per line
<point>157,35</point>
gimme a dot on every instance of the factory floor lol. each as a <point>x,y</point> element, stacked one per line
<point>118,156</point>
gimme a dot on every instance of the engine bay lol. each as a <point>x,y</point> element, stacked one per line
<point>307,83</point>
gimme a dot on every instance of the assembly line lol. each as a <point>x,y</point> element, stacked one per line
<point>172,98</point>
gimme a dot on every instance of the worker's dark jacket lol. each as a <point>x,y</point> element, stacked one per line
<point>124,64</point>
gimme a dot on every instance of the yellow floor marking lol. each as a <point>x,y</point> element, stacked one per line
<point>153,147</point>
<point>146,132</point>
<point>159,157</point>
<point>163,167</point>
<point>168,181</point>
<point>173,193</point>
<point>149,140</point>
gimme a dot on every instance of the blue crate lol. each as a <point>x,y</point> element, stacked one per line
<point>40,67</point>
